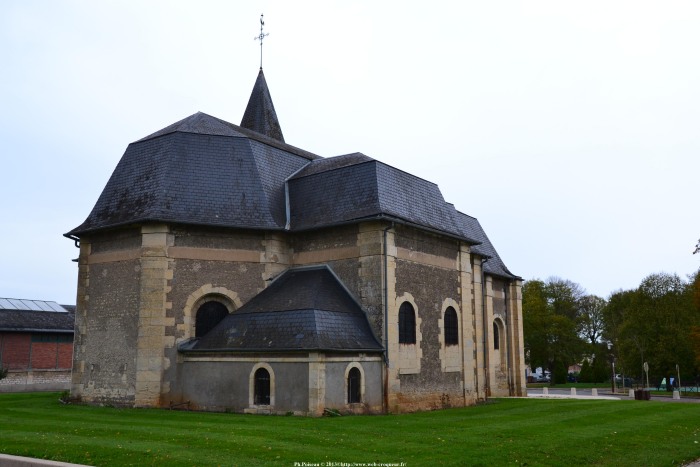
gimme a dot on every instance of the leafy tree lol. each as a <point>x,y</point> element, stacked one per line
<point>3,372</point>
<point>549,323</point>
<point>564,296</point>
<point>537,316</point>
<point>591,318</point>
<point>654,324</point>
<point>586,374</point>
<point>601,369</point>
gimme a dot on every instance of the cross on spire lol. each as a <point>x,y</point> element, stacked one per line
<point>260,37</point>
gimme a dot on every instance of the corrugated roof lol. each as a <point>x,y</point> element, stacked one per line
<point>303,309</point>
<point>30,305</point>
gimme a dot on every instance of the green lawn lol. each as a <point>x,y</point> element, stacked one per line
<point>502,432</point>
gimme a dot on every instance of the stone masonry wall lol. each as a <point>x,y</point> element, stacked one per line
<point>107,327</point>
<point>427,271</point>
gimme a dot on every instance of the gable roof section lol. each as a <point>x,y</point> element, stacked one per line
<point>494,265</point>
<point>260,115</point>
<point>201,171</point>
<point>303,309</point>
<point>356,187</point>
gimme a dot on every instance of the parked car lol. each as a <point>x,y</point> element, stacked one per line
<point>542,378</point>
<point>627,380</point>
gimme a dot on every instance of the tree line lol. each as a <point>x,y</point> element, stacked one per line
<point>657,323</point>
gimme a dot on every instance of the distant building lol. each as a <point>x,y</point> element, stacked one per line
<point>225,269</point>
<point>36,345</point>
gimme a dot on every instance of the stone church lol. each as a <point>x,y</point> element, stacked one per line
<point>224,269</point>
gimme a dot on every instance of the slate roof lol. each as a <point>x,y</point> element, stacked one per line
<point>304,309</point>
<point>260,115</point>
<point>494,265</point>
<point>205,171</point>
<point>200,170</point>
<point>17,318</point>
<point>355,187</point>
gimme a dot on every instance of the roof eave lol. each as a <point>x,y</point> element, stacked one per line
<point>277,350</point>
<point>391,218</point>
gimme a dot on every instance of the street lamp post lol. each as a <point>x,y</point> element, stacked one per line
<point>612,363</point>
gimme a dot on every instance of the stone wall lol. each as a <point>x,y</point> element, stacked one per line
<point>127,336</point>
<point>427,275</point>
<point>303,384</point>
<point>36,380</point>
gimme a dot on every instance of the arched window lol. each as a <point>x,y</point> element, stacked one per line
<point>407,324</point>
<point>208,316</point>
<point>262,387</point>
<point>496,337</point>
<point>451,327</point>
<point>354,386</point>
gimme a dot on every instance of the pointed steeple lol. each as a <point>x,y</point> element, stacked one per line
<point>260,114</point>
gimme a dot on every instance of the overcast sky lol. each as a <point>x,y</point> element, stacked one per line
<point>569,129</point>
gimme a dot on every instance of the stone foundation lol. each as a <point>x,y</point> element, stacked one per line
<point>34,380</point>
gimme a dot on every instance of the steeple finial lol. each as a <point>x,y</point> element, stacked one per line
<point>260,37</point>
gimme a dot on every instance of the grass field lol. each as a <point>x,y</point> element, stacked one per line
<point>502,432</point>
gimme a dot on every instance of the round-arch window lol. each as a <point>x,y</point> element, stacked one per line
<point>496,337</point>
<point>354,385</point>
<point>262,387</point>
<point>407,324</point>
<point>451,327</point>
<point>208,316</point>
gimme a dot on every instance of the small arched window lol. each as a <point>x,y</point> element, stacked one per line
<point>208,316</point>
<point>407,324</point>
<point>262,387</point>
<point>496,337</point>
<point>354,386</point>
<point>451,327</point>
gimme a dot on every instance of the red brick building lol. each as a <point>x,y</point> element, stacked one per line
<point>36,344</point>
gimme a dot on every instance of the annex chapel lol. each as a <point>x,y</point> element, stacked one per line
<point>225,269</point>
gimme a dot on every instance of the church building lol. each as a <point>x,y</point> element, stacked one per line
<point>223,269</point>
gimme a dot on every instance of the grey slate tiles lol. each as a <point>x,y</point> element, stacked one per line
<point>260,115</point>
<point>303,309</point>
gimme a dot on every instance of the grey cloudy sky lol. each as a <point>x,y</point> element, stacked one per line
<point>569,129</point>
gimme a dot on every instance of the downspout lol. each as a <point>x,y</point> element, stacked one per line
<point>287,207</point>
<point>461,333</point>
<point>509,331</point>
<point>77,245</point>
<point>75,239</point>
<point>385,386</point>
<point>476,353</point>
<point>485,348</point>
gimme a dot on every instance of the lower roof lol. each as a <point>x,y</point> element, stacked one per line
<point>305,309</point>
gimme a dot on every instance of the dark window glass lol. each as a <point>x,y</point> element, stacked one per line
<point>496,337</point>
<point>354,382</point>
<point>208,316</point>
<point>262,387</point>
<point>52,338</point>
<point>407,324</point>
<point>451,327</point>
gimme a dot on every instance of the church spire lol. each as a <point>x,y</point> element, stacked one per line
<point>260,115</point>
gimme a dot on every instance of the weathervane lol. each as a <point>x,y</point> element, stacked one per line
<point>260,38</point>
